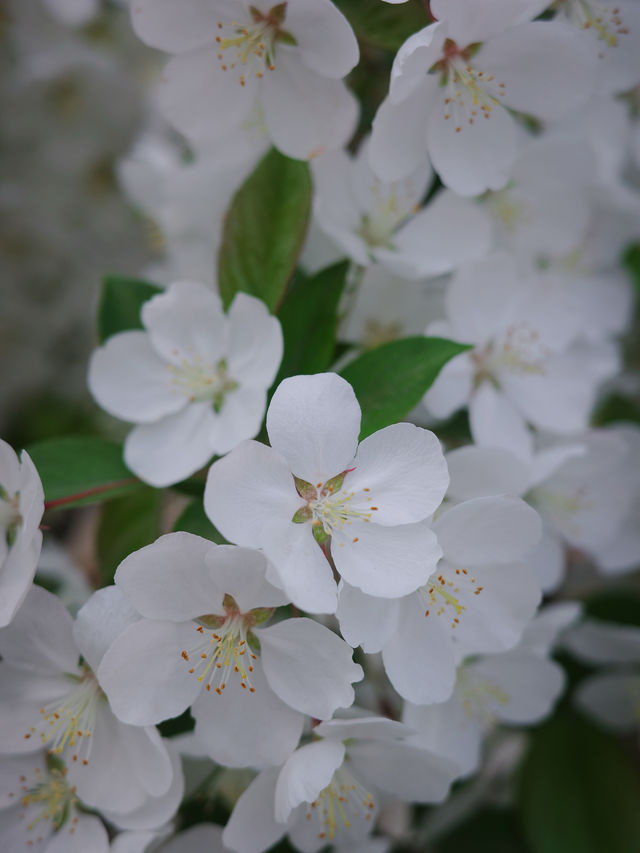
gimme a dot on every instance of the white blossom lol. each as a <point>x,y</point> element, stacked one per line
<point>316,493</point>
<point>194,381</point>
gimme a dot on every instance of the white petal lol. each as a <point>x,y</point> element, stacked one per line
<point>306,114</point>
<point>156,811</point>
<point>175,29</point>
<point>104,616</point>
<point>50,648</point>
<point>323,36</point>
<point>526,687</point>
<point>548,68</point>
<point>186,323</point>
<point>364,620</point>
<point>388,562</point>
<point>479,471</point>
<point>414,59</point>
<point>255,342</point>
<point>604,643</point>
<point>612,699</point>
<point>89,833</point>
<point>309,667</point>
<point>448,232</point>
<point>170,579</point>
<point>129,379</point>
<point>144,675</point>
<point>448,729</point>
<point>232,726</point>
<point>419,657</point>
<point>403,467</point>
<point>239,419</point>
<point>469,22</point>
<point>201,838</point>
<point>547,560</point>
<point>240,573</point>
<point>314,422</point>
<point>403,771</point>
<point>477,157</point>
<point>247,491</point>
<point>495,422</point>
<point>252,826</point>
<point>301,566</point>
<point>173,448</point>
<point>486,530</point>
<point>305,774</point>
<point>363,728</point>
<point>195,93</point>
<point>399,134</point>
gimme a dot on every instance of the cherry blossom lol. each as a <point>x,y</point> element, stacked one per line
<point>479,599</point>
<point>50,698</point>
<point>453,83</point>
<point>194,381</point>
<point>291,56</point>
<point>327,791</point>
<point>316,494</point>
<point>202,642</point>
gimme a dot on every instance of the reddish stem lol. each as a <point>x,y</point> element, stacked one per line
<point>89,493</point>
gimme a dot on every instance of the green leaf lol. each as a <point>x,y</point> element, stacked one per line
<point>579,791</point>
<point>382,25</point>
<point>390,380</point>
<point>631,260</point>
<point>488,831</point>
<point>81,470</point>
<point>120,302</point>
<point>309,319</point>
<point>194,520</point>
<point>126,524</point>
<point>264,230</point>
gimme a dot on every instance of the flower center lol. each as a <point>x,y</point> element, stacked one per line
<point>329,507</point>
<point>224,647</point>
<point>388,213</point>
<point>511,213</point>
<point>47,799</point>
<point>440,595</point>
<point>519,351</point>
<point>469,94</point>
<point>202,382</point>
<point>70,723</point>
<point>253,43</point>
<point>343,800</point>
<point>10,518</point>
<point>478,696</point>
<point>602,20</point>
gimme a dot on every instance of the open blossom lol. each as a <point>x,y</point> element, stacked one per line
<point>582,489</point>
<point>453,83</point>
<point>378,222</point>
<point>518,687</point>
<point>50,698</point>
<point>21,508</point>
<point>528,365</point>
<point>194,381</point>
<point>40,810</point>
<point>479,599</point>
<point>315,493</point>
<point>327,791</point>
<point>290,56</point>
<point>612,29</point>
<point>202,642</point>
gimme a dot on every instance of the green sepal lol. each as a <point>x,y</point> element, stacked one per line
<point>335,483</point>
<point>260,615</point>
<point>319,533</point>
<point>304,489</point>
<point>301,515</point>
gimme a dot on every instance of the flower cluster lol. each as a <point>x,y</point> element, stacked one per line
<point>366,483</point>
